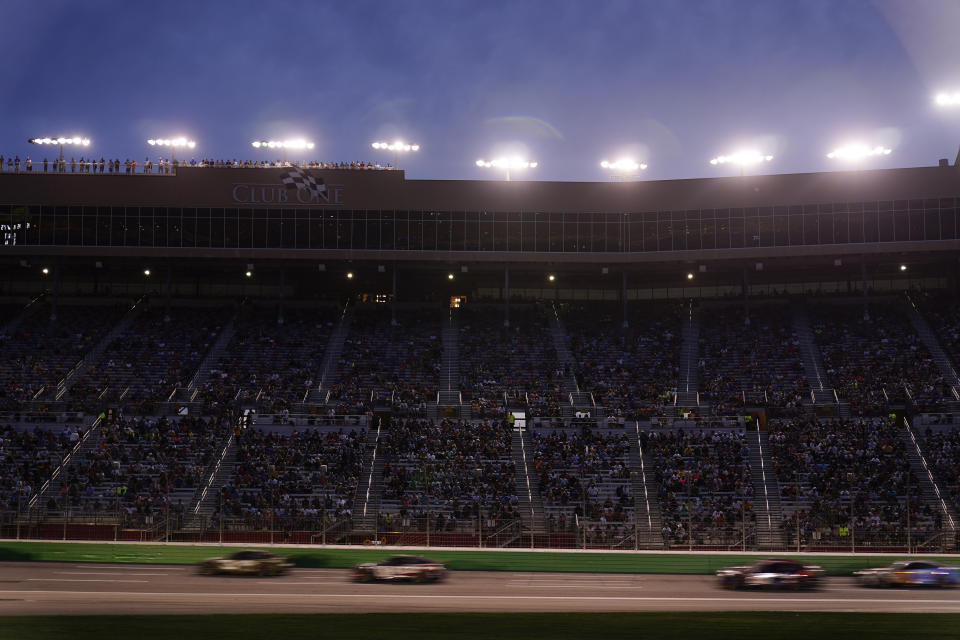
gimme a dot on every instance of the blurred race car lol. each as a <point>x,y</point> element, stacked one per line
<point>409,568</point>
<point>784,574</point>
<point>251,562</point>
<point>910,573</point>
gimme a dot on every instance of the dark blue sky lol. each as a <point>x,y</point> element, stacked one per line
<point>572,82</point>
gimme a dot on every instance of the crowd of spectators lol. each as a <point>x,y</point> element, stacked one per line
<point>399,361</point>
<point>942,450</point>
<point>159,352</point>
<point>28,458</point>
<point>584,479</point>
<point>453,470</point>
<point>302,479</point>
<point>841,475</point>
<point>518,362</point>
<point>40,352</point>
<point>634,372</point>
<point>705,486</point>
<point>757,363</point>
<point>162,165</point>
<point>140,469</point>
<point>270,363</point>
<point>876,362</point>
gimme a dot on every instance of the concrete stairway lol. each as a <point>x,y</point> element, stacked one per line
<point>206,501</point>
<point>573,398</point>
<point>449,394</point>
<point>646,499</point>
<point>366,501</point>
<point>929,338</point>
<point>526,481</point>
<point>28,311</point>
<point>89,442</point>
<point>933,497</point>
<point>189,393</point>
<point>330,367</point>
<point>689,360</point>
<point>766,493</point>
<point>823,393</point>
<point>63,387</point>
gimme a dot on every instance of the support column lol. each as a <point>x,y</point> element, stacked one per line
<point>863,282</point>
<point>623,294</point>
<point>393,298</point>
<point>283,273</point>
<point>746,296</point>
<point>506,296</point>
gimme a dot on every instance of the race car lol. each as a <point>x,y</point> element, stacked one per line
<point>250,562</point>
<point>407,568</point>
<point>774,573</point>
<point>907,573</point>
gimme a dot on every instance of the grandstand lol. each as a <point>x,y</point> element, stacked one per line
<point>758,362</point>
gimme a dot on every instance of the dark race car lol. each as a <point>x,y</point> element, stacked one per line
<point>250,562</point>
<point>774,573</point>
<point>909,573</point>
<point>407,568</point>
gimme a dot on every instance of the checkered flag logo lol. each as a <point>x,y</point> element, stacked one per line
<point>297,179</point>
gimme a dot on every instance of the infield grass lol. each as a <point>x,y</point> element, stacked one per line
<point>334,557</point>
<point>475,626</point>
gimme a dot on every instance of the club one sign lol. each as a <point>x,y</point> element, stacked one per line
<point>296,187</point>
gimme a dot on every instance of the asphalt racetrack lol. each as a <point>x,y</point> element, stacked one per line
<point>76,588</point>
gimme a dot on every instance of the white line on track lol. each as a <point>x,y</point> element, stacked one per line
<point>105,573</point>
<point>120,567</point>
<point>574,585</point>
<point>79,580</point>
<point>381,596</point>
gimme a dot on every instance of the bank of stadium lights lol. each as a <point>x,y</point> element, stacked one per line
<point>62,140</point>
<point>507,164</point>
<point>624,168</point>
<point>297,144</point>
<point>857,152</point>
<point>744,159</point>
<point>173,143</point>
<point>948,99</point>
<point>398,147</point>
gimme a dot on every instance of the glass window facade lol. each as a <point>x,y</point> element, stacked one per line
<point>502,231</point>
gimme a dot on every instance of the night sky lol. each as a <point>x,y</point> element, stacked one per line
<point>568,83</point>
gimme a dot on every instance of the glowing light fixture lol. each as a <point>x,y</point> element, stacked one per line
<point>507,164</point>
<point>744,158</point>
<point>349,275</point>
<point>62,140</point>
<point>45,270</point>
<point>623,168</point>
<point>689,276</point>
<point>903,267</point>
<point>146,272</point>
<point>449,276</point>
<point>944,99</point>
<point>551,277</point>
<point>398,147</point>
<point>857,152</point>
<point>173,143</point>
<point>298,144</point>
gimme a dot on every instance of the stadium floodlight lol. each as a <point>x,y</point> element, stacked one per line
<point>944,99</point>
<point>173,143</point>
<point>624,168</point>
<point>297,144</point>
<point>857,151</point>
<point>398,147</point>
<point>744,158</point>
<point>506,164</point>
<point>62,140</point>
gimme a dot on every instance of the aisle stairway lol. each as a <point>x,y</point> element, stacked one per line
<point>646,499</point>
<point>766,493</point>
<point>687,395</point>
<point>526,482</point>
<point>823,393</point>
<point>366,501</point>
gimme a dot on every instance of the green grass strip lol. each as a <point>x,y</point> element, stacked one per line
<point>476,626</point>
<point>614,562</point>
